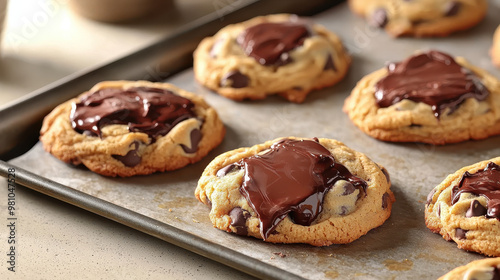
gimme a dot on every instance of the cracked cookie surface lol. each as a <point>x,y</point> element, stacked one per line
<point>126,128</point>
<point>275,54</point>
<point>267,191</point>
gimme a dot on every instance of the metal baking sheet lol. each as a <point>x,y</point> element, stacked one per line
<point>402,248</point>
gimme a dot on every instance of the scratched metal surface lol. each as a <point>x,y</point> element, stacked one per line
<point>402,248</point>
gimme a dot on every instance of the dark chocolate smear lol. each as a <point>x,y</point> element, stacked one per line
<point>131,159</point>
<point>484,182</point>
<point>209,201</point>
<point>195,137</point>
<point>386,174</point>
<point>329,65</point>
<point>430,195</point>
<point>239,219</point>
<point>379,17</point>
<point>496,273</point>
<point>433,78</point>
<point>234,79</point>
<point>291,178</point>
<point>476,209</point>
<point>452,8</point>
<point>152,111</point>
<point>226,170</point>
<point>460,233</point>
<point>385,200</point>
<point>270,42</point>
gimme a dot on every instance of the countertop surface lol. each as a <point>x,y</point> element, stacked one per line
<point>44,41</point>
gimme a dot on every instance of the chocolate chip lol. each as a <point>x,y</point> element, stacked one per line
<point>209,202</point>
<point>284,59</point>
<point>475,210</point>
<point>225,170</point>
<point>234,79</point>
<point>496,273</point>
<point>239,219</point>
<point>214,50</point>
<point>430,195</point>
<point>329,65</point>
<point>452,8</point>
<point>343,210</point>
<point>460,233</point>
<point>385,200</point>
<point>439,210</point>
<point>379,17</point>
<point>195,137</point>
<point>348,188</point>
<point>131,159</point>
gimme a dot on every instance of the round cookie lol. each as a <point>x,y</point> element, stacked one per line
<point>465,208</point>
<point>126,128</point>
<point>296,190</point>
<point>421,18</point>
<point>485,269</point>
<point>275,54</point>
<point>430,97</point>
<point>495,49</point>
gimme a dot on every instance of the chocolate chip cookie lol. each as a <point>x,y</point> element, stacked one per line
<point>430,97</point>
<point>421,18</point>
<point>477,270</point>
<point>275,54</point>
<point>465,208</point>
<point>296,190</point>
<point>125,128</point>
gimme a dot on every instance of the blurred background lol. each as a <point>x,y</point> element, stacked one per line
<point>45,40</point>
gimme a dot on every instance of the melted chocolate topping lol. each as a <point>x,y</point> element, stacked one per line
<point>152,111</point>
<point>291,178</point>
<point>433,78</point>
<point>270,42</point>
<point>484,182</point>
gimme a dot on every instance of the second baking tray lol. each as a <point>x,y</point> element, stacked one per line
<point>402,248</point>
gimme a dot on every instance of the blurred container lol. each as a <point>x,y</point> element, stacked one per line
<point>3,14</point>
<point>115,11</point>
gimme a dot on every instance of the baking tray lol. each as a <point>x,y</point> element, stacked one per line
<point>164,206</point>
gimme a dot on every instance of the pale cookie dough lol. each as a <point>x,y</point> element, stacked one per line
<point>485,269</point>
<point>347,213</point>
<point>465,220</point>
<point>421,18</point>
<point>221,64</point>
<point>495,49</point>
<point>120,152</point>
<point>409,121</point>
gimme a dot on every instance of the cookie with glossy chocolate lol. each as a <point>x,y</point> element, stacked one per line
<point>296,190</point>
<point>495,49</point>
<point>125,128</point>
<point>275,54</point>
<point>465,208</point>
<point>487,269</point>
<point>430,97</point>
<point>421,18</point>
